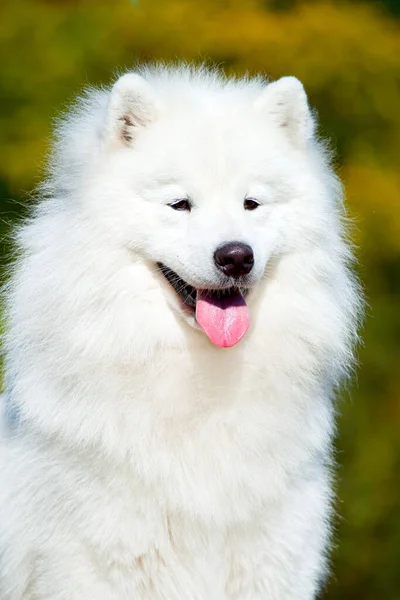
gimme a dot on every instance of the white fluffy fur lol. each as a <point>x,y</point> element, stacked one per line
<point>139,461</point>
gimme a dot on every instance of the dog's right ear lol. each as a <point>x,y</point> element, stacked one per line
<point>131,105</point>
<point>285,103</point>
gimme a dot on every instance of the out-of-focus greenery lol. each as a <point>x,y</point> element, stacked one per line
<point>348,56</point>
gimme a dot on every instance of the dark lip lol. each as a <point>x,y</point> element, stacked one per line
<point>187,293</point>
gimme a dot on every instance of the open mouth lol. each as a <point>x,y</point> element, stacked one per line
<point>222,314</point>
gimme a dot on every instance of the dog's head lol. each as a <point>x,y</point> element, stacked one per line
<point>210,179</point>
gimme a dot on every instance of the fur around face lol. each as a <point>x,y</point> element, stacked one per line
<point>140,461</point>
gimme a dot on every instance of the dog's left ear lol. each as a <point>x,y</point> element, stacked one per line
<point>285,102</point>
<point>131,106</point>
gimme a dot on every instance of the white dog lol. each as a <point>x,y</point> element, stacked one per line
<point>178,320</point>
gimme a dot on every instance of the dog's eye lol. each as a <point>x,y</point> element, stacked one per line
<point>250,204</point>
<point>183,204</point>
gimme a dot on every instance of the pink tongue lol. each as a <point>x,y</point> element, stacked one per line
<point>225,320</point>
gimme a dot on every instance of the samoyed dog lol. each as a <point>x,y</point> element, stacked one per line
<point>178,319</point>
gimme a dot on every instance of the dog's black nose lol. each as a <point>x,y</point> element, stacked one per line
<point>234,259</point>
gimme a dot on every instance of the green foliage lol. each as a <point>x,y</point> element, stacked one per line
<point>348,56</point>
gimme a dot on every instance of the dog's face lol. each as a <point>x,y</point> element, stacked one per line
<point>209,188</point>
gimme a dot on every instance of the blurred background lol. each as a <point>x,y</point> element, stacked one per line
<point>347,53</point>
